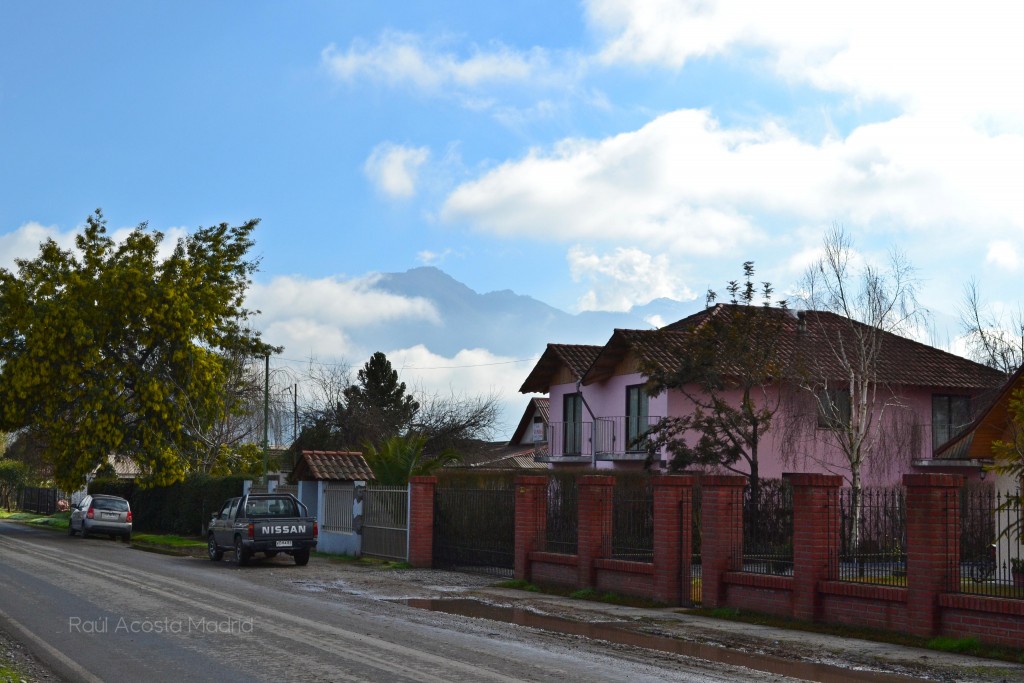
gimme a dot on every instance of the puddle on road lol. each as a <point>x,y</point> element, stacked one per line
<point>611,632</point>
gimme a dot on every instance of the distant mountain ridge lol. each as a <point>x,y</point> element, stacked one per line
<point>503,322</point>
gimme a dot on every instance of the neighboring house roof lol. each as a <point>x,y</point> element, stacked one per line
<point>809,336</point>
<point>975,442</point>
<point>124,467</point>
<point>520,459</point>
<point>575,357</point>
<point>331,466</point>
<point>537,405</point>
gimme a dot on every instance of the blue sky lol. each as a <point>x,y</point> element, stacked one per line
<point>594,155</point>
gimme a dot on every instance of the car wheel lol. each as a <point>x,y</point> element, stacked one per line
<point>301,557</point>
<point>215,553</point>
<point>85,534</point>
<point>241,554</point>
<point>127,537</point>
<point>71,528</point>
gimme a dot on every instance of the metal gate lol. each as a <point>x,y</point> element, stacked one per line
<point>474,530</point>
<point>386,522</point>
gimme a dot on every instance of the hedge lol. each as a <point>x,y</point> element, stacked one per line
<point>183,508</point>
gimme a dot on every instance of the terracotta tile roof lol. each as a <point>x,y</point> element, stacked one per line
<point>902,361</point>
<point>331,466</point>
<point>576,357</point>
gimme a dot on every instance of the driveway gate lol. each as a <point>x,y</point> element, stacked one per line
<point>474,530</point>
<point>386,522</point>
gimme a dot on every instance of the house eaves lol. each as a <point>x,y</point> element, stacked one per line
<point>575,357</point>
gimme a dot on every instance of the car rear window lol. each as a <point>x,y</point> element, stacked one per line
<point>272,507</point>
<point>110,504</point>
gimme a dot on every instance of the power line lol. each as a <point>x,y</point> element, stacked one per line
<point>413,367</point>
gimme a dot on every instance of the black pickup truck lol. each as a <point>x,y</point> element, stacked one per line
<point>268,523</point>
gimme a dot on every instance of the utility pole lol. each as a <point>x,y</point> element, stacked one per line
<point>266,416</point>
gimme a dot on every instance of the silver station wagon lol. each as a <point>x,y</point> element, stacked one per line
<point>101,514</point>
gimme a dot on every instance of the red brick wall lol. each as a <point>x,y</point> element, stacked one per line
<point>721,535</point>
<point>811,593</point>
<point>531,522</point>
<point>421,521</point>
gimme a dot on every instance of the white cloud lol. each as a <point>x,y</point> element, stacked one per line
<point>429,258</point>
<point>1003,254</point>
<point>685,184</point>
<point>624,278</point>
<point>469,373</point>
<point>25,241</point>
<point>314,316</point>
<point>394,169</point>
<point>954,58</point>
<point>404,59</point>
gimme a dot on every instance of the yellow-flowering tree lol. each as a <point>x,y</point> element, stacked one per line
<point>112,348</point>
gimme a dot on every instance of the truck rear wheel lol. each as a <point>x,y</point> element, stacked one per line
<point>241,554</point>
<point>301,557</point>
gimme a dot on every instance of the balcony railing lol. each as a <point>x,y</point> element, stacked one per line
<point>570,439</point>
<point>618,438</point>
<point>609,438</point>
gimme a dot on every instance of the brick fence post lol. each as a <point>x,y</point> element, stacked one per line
<point>933,546</point>
<point>815,530</point>
<point>421,521</point>
<point>531,521</point>
<point>673,514</point>
<point>595,525</point>
<point>721,541</point>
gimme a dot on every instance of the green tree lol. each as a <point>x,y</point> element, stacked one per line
<point>401,457</point>
<point>112,348</point>
<point>377,405</point>
<point>729,364</point>
<point>13,475</point>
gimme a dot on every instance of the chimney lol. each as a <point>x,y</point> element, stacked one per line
<point>801,321</point>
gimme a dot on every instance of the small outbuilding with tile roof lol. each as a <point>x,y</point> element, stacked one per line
<point>329,482</point>
<point>331,466</point>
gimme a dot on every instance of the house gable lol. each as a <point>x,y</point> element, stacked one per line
<point>559,364</point>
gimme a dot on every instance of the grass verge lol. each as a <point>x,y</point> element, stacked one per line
<point>969,646</point>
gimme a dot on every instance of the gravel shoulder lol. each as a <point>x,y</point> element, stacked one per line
<point>847,653</point>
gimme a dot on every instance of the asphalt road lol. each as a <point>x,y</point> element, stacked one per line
<point>98,610</point>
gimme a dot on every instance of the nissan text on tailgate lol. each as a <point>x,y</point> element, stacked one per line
<point>268,523</point>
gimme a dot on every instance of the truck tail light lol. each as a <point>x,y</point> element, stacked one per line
<point>316,530</point>
<point>90,513</point>
<point>252,531</point>
<point>129,517</point>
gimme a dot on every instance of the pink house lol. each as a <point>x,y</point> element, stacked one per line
<point>598,404</point>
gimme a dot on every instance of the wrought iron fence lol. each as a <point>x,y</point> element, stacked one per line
<point>633,520</point>
<point>338,507</point>
<point>474,529</point>
<point>768,528</point>
<point>562,524</point>
<point>872,545</point>
<point>991,554</point>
